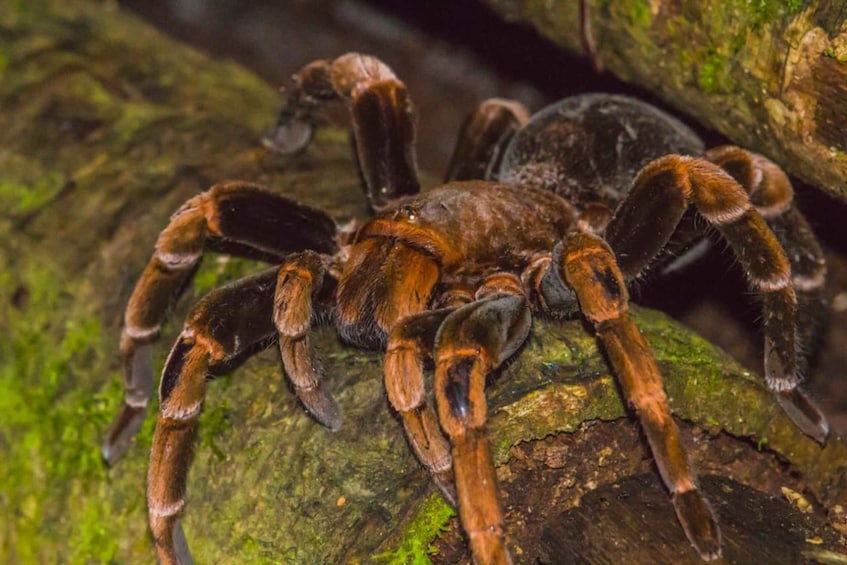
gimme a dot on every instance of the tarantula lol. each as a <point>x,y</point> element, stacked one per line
<point>548,215</point>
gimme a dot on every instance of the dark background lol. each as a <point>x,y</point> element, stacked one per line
<point>452,55</point>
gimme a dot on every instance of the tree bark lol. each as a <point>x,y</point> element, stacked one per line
<point>768,75</point>
<point>108,127</point>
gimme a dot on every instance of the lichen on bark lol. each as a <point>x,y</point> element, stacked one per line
<point>110,127</point>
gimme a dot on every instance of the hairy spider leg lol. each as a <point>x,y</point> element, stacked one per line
<point>472,342</point>
<point>483,137</point>
<point>772,195</point>
<point>410,343</point>
<point>226,324</point>
<point>236,216</point>
<point>301,277</point>
<point>645,220</point>
<point>382,114</point>
<point>588,266</point>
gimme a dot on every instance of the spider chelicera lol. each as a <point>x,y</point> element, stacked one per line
<point>544,215</point>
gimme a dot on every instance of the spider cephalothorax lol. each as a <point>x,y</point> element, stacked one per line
<point>549,215</point>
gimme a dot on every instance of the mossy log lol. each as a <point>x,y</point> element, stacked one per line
<point>769,75</point>
<point>108,127</point>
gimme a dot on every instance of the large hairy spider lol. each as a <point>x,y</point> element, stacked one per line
<point>549,215</point>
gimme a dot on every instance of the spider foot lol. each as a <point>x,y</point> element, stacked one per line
<point>323,408</point>
<point>138,387</point>
<point>171,545</point>
<point>804,413</point>
<point>697,519</point>
<point>122,432</point>
<point>183,555</point>
<point>290,135</point>
<point>446,485</point>
<point>489,548</point>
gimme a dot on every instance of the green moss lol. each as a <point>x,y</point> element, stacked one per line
<point>214,422</point>
<point>17,198</point>
<point>763,12</point>
<point>51,419</point>
<point>136,116</point>
<point>217,270</point>
<point>415,547</point>
<point>713,73</point>
<point>639,13</point>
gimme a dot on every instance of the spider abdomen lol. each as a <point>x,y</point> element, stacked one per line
<point>589,148</point>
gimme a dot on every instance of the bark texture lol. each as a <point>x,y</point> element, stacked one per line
<point>108,127</point>
<point>769,75</point>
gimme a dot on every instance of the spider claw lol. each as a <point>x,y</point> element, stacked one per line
<point>323,408</point>
<point>122,432</point>
<point>699,523</point>
<point>183,554</point>
<point>804,413</point>
<point>289,136</point>
<point>446,486</point>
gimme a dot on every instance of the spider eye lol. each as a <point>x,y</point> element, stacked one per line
<point>409,212</point>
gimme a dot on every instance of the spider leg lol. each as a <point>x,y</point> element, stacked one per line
<point>483,138</point>
<point>227,323</point>
<point>411,342</point>
<point>772,195</point>
<point>645,220</point>
<point>382,114</point>
<point>588,265</point>
<point>240,215</point>
<point>472,342</point>
<point>301,277</point>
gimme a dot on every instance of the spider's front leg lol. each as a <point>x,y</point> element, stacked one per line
<point>483,137</point>
<point>302,278</point>
<point>237,216</point>
<point>644,222</point>
<point>410,343</point>
<point>382,115</point>
<point>227,323</point>
<point>472,342</point>
<point>589,268</point>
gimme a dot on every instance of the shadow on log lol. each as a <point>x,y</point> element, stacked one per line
<point>108,128</point>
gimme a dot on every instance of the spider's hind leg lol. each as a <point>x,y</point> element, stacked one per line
<point>772,195</point>
<point>645,221</point>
